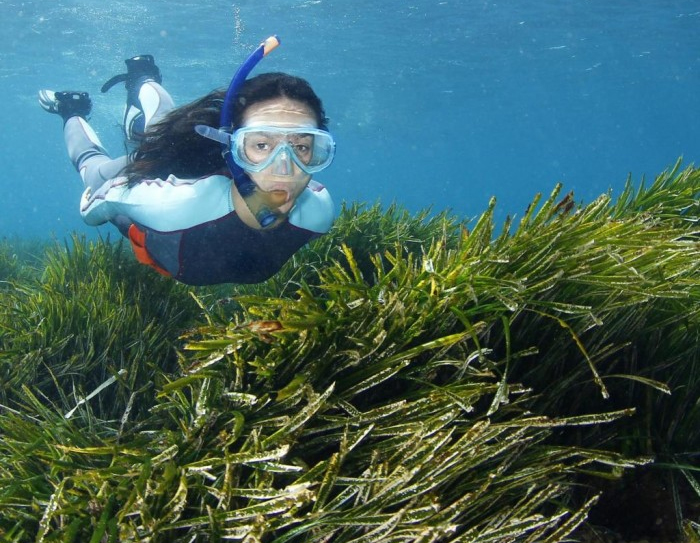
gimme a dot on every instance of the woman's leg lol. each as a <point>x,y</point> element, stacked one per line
<point>146,100</point>
<point>85,149</point>
<point>88,155</point>
<point>151,104</point>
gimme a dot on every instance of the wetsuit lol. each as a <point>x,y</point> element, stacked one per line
<point>187,228</point>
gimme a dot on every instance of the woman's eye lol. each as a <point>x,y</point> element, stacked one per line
<point>301,145</point>
<point>260,146</point>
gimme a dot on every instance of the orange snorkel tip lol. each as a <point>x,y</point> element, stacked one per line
<point>269,44</point>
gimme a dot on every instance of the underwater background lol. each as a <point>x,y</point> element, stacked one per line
<point>412,375</point>
<point>438,103</point>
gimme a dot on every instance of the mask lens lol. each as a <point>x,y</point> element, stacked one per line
<point>258,146</point>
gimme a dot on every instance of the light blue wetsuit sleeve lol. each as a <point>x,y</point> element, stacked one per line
<point>314,209</point>
<point>165,205</point>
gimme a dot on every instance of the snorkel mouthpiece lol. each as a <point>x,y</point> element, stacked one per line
<point>261,204</point>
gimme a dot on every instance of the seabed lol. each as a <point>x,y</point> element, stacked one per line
<point>404,378</point>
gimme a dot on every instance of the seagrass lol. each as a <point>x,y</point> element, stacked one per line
<point>405,378</point>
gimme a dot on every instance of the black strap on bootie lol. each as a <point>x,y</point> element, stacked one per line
<point>72,103</point>
<point>139,69</point>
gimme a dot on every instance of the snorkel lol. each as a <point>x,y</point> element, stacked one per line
<point>262,204</point>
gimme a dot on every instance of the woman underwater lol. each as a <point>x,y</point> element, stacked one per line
<point>201,204</point>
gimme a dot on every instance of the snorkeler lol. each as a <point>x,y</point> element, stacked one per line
<point>217,191</point>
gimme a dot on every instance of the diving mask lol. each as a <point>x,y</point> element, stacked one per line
<point>255,148</point>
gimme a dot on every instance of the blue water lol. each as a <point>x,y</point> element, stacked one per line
<point>440,103</point>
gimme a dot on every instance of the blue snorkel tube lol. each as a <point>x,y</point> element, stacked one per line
<point>245,185</point>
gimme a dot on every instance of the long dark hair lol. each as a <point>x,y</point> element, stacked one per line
<point>172,147</point>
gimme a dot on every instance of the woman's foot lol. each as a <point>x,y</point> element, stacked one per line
<point>67,104</point>
<point>139,70</point>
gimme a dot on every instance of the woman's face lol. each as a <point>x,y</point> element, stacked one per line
<point>281,113</point>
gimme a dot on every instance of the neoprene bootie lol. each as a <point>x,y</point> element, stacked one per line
<point>67,104</point>
<point>139,70</point>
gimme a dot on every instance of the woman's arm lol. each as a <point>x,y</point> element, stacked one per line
<point>314,209</point>
<point>163,205</point>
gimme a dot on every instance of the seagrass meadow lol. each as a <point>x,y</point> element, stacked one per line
<point>408,377</point>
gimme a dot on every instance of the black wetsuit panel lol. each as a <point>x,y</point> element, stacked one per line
<point>225,251</point>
